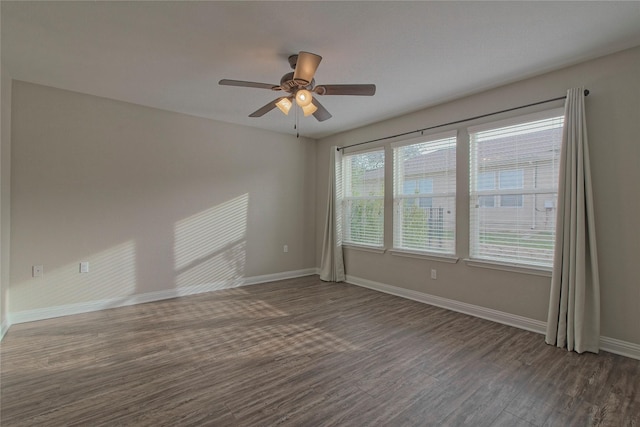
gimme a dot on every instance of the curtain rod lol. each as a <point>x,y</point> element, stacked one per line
<point>586,92</point>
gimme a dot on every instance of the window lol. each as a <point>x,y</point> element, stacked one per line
<point>424,194</point>
<point>363,198</point>
<point>514,171</point>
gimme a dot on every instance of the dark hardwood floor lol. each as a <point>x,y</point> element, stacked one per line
<point>306,353</point>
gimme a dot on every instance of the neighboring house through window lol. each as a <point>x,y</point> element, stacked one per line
<point>511,179</point>
<point>421,186</point>
<point>513,188</point>
<point>486,183</point>
<point>424,194</point>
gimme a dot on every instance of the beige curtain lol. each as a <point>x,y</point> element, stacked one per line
<point>574,305</point>
<point>332,264</point>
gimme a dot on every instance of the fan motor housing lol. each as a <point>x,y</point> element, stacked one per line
<point>289,85</point>
<point>293,61</point>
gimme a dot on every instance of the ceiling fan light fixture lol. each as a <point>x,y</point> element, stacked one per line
<point>303,98</point>
<point>284,105</point>
<point>299,85</point>
<point>309,109</point>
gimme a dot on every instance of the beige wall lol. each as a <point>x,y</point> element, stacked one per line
<point>154,200</point>
<point>5,191</point>
<point>613,114</point>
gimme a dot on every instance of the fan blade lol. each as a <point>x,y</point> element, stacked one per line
<point>321,114</point>
<point>242,83</point>
<point>361,90</point>
<point>266,108</point>
<point>306,67</point>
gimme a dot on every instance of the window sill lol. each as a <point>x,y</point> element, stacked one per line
<point>515,268</point>
<point>452,259</point>
<point>374,249</point>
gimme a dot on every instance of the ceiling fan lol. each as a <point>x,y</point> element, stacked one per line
<point>300,85</point>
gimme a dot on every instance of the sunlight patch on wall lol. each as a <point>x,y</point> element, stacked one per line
<point>112,274</point>
<point>210,246</point>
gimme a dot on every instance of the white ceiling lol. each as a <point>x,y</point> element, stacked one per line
<point>170,55</point>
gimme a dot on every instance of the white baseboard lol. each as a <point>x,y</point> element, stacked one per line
<point>623,348</point>
<point>279,276</point>
<point>612,345</point>
<point>4,327</point>
<point>86,307</point>
<point>449,304</point>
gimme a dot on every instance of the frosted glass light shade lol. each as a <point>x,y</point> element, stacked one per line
<point>303,97</point>
<point>309,109</point>
<point>284,105</point>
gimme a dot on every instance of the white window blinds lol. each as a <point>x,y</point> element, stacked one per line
<point>424,194</point>
<point>513,189</point>
<point>363,198</point>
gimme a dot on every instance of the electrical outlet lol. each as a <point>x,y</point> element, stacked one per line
<point>434,274</point>
<point>37,270</point>
<point>84,267</point>
<point>285,249</point>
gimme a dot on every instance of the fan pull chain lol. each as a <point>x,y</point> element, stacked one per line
<point>296,126</point>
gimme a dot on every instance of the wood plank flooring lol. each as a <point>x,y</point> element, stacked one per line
<point>302,352</point>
